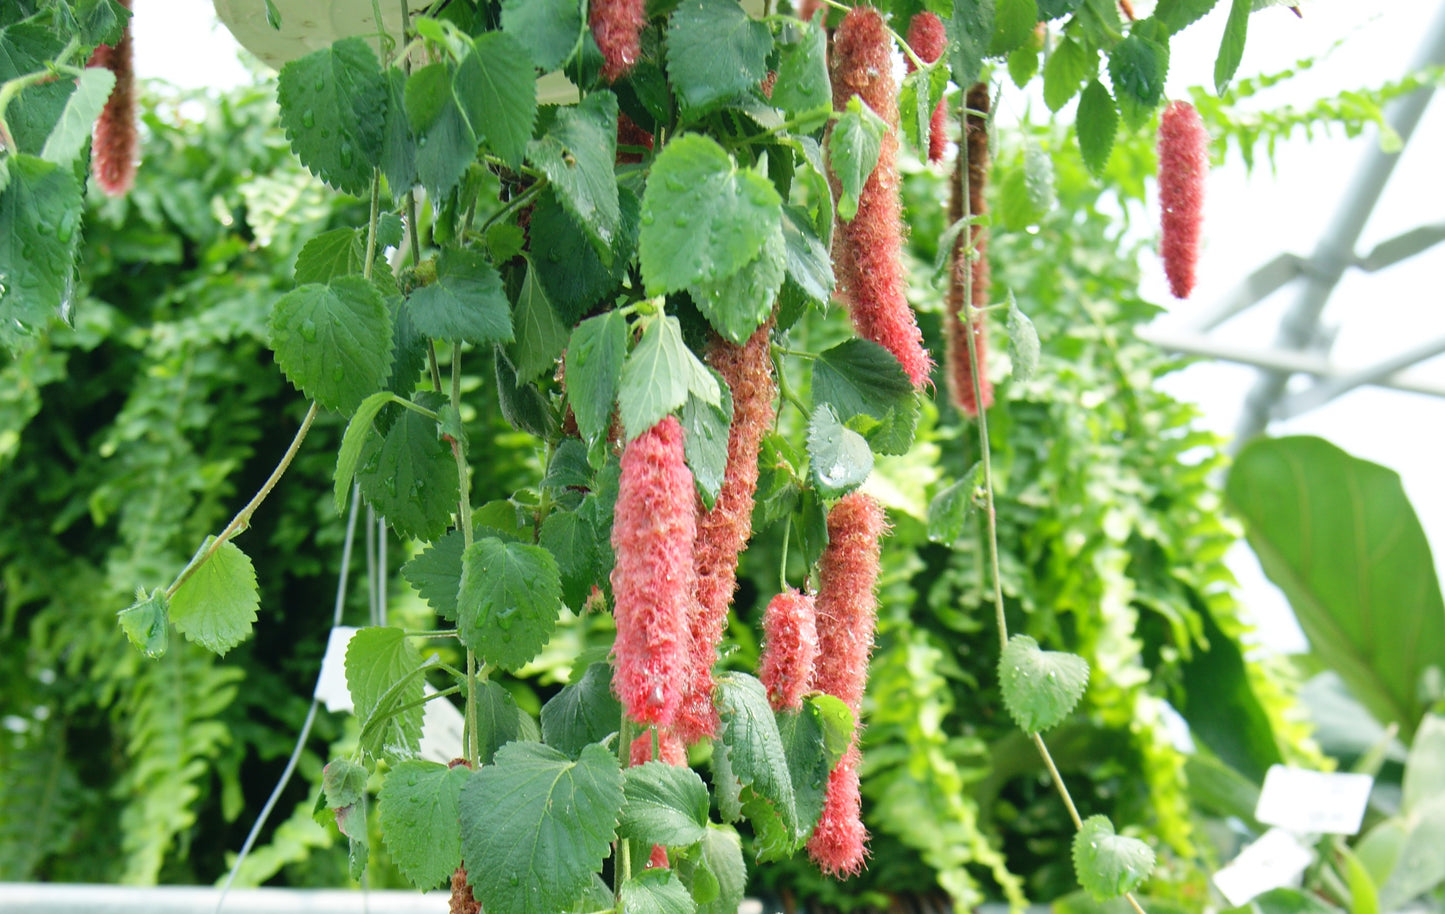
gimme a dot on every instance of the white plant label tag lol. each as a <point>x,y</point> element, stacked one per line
<point>331,687</point>
<point>1313,802</point>
<point>442,729</point>
<point>1277,859</point>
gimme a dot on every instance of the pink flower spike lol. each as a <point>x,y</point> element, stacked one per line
<point>839,843</point>
<point>1183,167</point>
<point>115,138</point>
<point>790,645</point>
<point>847,606</point>
<point>617,29</point>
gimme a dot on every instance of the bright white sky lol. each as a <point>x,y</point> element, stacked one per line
<point>1249,219</point>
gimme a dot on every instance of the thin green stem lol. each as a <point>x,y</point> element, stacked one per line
<point>432,633</point>
<point>415,407</point>
<point>464,519</point>
<point>513,204</point>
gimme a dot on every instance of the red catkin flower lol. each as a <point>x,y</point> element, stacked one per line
<point>629,134</point>
<point>462,900</point>
<point>839,843</point>
<point>723,532</point>
<point>974,157</point>
<point>928,39</point>
<point>617,28</point>
<point>867,256</point>
<point>115,138</point>
<point>807,9</point>
<point>790,646</point>
<point>1183,166</point>
<point>654,530</point>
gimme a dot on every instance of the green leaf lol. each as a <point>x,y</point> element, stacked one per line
<point>466,303</point>
<point>659,374</point>
<point>595,357</point>
<point>737,304</point>
<point>418,808</point>
<point>1338,535</point>
<point>702,217</point>
<point>814,739</point>
<point>853,149</point>
<point>333,106</point>
<point>40,215</point>
<point>949,510</point>
<point>1057,9</point>
<point>507,95</point>
<point>753,748</point>
<point>77,120</point>
<point>216,606</point>
<point>666,804</point>
<point>381,673</point>
<point>358,432</point>
<point>536,825</point>
<point>1420,864</point>
<point>809,267</point>
<point>1095,124</point>
<point>146,622</point>
<point>522,404</point>
<point>584,712</point>
<point>1231,46</point>
<point>860,378</point>
<point>325,257</point>
<point>576,154</point>
<point>1425,769</point>
<point>510,596</point>
<point>398,140</point>
<point>970,31</point>
<point>442,109</point>
<point>922,91</point>
<point>714,52</point>
<point>705,443</point>
<point>436,573</point>
<point>343,782</point>
<point>1040,687</point>
<point>570,538</point>
<point>1023,62</point>
<point>1023,342</point>
<point>1013,23</point>
<point>656,892</point>
<point>839,457</point>
<point>1108,865</point>
<point>410,476</point>
<point>333,341</point>
<point>548,29</point>
<point>803,83</point>
<point>1175,15</point>
<point>575,277</point>
<point>1065,71</point>
<point>1137,67</point>
<point>499,720</point>
<point>719,864</point>
<point>541,336</point>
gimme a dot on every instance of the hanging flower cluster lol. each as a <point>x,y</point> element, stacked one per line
<point>115,138</point>
<point>790,648</point>
<point>974,158</point>
<point>617,29</point>
<point>1183,166</point>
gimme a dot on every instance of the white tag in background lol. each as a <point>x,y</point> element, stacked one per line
<point>1277,859</point>
<point>1313,802</point>
<point>442,728</point>
<point>331,684</point>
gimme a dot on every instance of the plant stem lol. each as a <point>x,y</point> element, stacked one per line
<point>464,519</point>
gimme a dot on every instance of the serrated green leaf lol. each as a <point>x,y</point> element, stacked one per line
<point>1231,46</point>
<point>1137,67</point>
<point>1095,125</point>
<point>77,119</point>
<point>814,739</point>
<point>595,357</point>
<point>714,52</point>
<point>949,510</point>
<point>522,404</point>
<point>568,467</point>
<point>572,541</point>
<point>536,826</point>
<point>853,147</point>
<point>970,31</point>
<point>666,804</point>
<point>1040,687</point>
<point>507,95</point>
<point>333,341</point>
<point>736,305</point>
<point>753,747</point>
<point>510,596</point>
<point>548,29</point>
<point>1107,864</point>
<point>410,477</point>
<point>575,277</point>
<point>358,432</point>
<point>541,336</point>
<point>442,109</point>
<point>1023,62</point>
<point>101,21</point>
<point>658,376</point>
<point>1065,71</point>
<point>838,457</point>
<point>705,443</point>
<point>809,267</point>
<point>1057,9</point>
<point>333,106</point>
<point>329,255</point>
<point>40,217</point>
<point>436,573</point>
<point>803,83</point>
<point>577,154</point>
<point>860,378</point>
<point>418,808</point>
<point>466,303</point>
<point>1013,23</point>
<point>499,720</point>
<point>584,712</point>
<point>1023,342</point>
<point>1175,15</point>
<point>147,623</point>
<point>216,606</point>
<point>703,218</point>
<point>719,864</point>
<point>922,91</point>
<point>381,674</point>
<point>656,892</point>
<point>343,782</point>
<point>398,140</point>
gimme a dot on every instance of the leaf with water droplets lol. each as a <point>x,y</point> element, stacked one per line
<point>333,106</point>
<point>838,457</point>
<point>40,214</point>
<point>216,606</point>
<point>409,474</point>
<point>853,149</point>
<point>381,674</point>
<point>147,622</point>
<point>656,891</point>
<point>511,594</point>
<point>1040,687</point>
<point>814,738</point>
<point>666,804</point>
<point>1108,864</point>
<point>466,302</point>
<point>333,341</point>
<point>577,154</point>
<point>752,752</point>
<point>418,808</point>
<point>715,52</point>
<point>737,304</point>
<point>1023,342</point>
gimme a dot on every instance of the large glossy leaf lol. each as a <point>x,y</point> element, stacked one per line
<point>1340,538</point>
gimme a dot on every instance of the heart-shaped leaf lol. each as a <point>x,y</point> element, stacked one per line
<point>1040,687</point>
<point>1108,865</point>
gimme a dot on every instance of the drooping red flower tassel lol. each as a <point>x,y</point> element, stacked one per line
<point>790,647</point>
<point>723,532</point>
<point>629,134</point>
<point>839,843</point>
<point>868,249</point>
<point>617,29</point>
<point>974,157</point>
<point>654,530</point>
<point>928,39</point>
<point>115,138</point>
<point>462,899</point>
<point>807,9</point>
<point>1183,166</point>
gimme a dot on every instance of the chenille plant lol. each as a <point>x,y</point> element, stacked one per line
<point>629,277</point>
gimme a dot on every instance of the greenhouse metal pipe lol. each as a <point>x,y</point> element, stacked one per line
<point>1327,390</point>
<point>1336,248</point>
